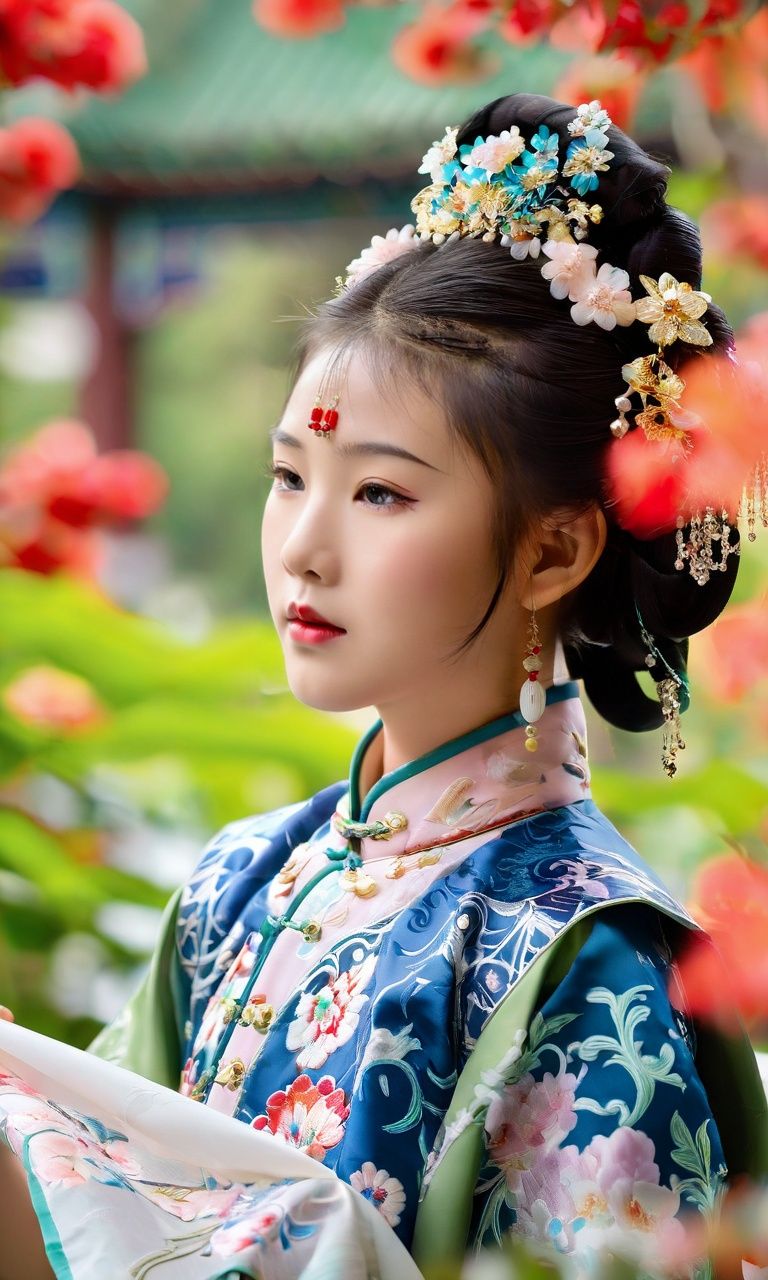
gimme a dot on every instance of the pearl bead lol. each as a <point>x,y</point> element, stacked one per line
<point>532,700</point>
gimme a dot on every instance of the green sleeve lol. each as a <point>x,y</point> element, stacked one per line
<point>147,1036</point>
<point>443,1216</point>
<point>725,1062</point>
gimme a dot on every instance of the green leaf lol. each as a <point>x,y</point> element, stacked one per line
<point>725,790</point>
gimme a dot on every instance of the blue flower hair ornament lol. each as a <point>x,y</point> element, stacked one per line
<point>504,188</point>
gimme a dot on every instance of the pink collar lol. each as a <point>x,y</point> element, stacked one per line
<point>483,779</point>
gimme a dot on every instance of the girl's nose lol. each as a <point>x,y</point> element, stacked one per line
<point>309,546</point>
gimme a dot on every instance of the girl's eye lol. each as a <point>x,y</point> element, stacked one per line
<point>280,473</point>
<point>286,477</point>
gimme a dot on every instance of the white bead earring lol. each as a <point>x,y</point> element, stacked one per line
<point>532,696</point>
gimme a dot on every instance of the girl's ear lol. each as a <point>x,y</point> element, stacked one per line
<point>559,555</point>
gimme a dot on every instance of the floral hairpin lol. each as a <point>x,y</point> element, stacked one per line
<point>501,187</point>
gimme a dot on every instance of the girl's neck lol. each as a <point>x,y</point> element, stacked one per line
<point>398,744</point>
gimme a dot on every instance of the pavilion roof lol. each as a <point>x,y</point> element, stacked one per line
<point>227,107</point>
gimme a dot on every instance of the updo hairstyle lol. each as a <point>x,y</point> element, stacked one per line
<point>532,393</point>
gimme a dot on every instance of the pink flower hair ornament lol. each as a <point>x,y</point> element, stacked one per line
<point>504,188</point>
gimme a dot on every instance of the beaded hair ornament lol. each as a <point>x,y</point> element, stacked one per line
<point>502,187</point>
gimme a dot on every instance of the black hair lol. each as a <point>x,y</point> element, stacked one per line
<point>532,394</point>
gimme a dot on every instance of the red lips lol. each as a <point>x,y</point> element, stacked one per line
<point>305,614</point>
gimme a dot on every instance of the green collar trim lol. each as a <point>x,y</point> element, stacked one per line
<point>512,720</point>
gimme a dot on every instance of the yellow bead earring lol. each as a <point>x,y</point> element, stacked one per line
<point>532,696</point>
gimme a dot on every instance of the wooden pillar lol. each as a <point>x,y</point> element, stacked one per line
<point>107,395</point>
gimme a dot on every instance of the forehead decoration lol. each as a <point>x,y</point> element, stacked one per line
<point>538,204</point>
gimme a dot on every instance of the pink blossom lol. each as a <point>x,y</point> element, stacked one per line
<point>327,1018</point>
<point>199,1203</point>
<point>15,1084</point>
<point>545,1208</point>
<point>385,1193</point>
<point>60,1158</point>
<point>255,1228</point>
<point>70,1159</point>
<point>603,297</point>
<point>22,1123</point>
<point>306,1115</point>
<point>616,1189</point>
<point>496,153</point>
<point>570,267</point>
<point>381,249</point>
<point>529,1117</point>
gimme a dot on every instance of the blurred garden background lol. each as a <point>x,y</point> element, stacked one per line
<point>178,183</point>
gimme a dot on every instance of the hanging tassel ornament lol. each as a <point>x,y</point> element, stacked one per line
<point>707,533</point>
<point>674,696</point>
<point>532,696</point>
<point>755,498</point>
<point>671,741</point>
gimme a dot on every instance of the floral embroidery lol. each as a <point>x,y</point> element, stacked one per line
<point>529,1119</point>
<point>69,1159</point>
<point>191,1204</point>
<point>306,1115</point>
<point>610,1194</point>
<point>385,1193</point>
<point>327,1018</point>
<point>256,1228</point>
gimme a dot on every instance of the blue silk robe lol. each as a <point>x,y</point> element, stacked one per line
<point>333,972</point>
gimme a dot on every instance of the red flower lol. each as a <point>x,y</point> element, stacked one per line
<point>55,489</point>
<point>37,159</point>
<point>527,21</point>
<point>306,1115</point>
<point>731,656</point>
<point>730,978</point>
<point>71,42</point>
<point>437,49</point>
<point>738,225</point>
<point>51,699</point>
<point>297,18</point>
<point>732,70</point>
<point>651,482</point>
<point>612,79</point>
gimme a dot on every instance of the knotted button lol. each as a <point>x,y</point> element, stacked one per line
<point>382,829</point>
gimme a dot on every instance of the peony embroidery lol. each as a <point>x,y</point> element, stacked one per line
<point>618,1187</point>
<point>306,1115</point>
<point>385,1193</point>
<point>62,1158</point>
<point>327,1018</point>
<point>529,1118</point>
<point>256,1228</point>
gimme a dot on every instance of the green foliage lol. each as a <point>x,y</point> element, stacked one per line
<point>211,718</point>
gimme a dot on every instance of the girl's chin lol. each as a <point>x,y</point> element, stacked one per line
<point>323,697</point>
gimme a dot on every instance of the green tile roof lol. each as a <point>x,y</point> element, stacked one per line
<point>227,106</point>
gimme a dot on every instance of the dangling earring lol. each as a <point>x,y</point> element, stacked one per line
<point>674,696</point>
<point>532,696</point>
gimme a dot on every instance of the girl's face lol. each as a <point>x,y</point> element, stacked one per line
<point>394,549</point>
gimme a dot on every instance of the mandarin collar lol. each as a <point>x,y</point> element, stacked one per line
<point>473,782</point>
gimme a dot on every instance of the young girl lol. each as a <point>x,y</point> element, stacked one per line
<point>447,980</point>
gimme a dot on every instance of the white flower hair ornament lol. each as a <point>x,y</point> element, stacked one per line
<point>502,187</point>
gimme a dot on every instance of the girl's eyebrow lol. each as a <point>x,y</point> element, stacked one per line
<point>361,447</point>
